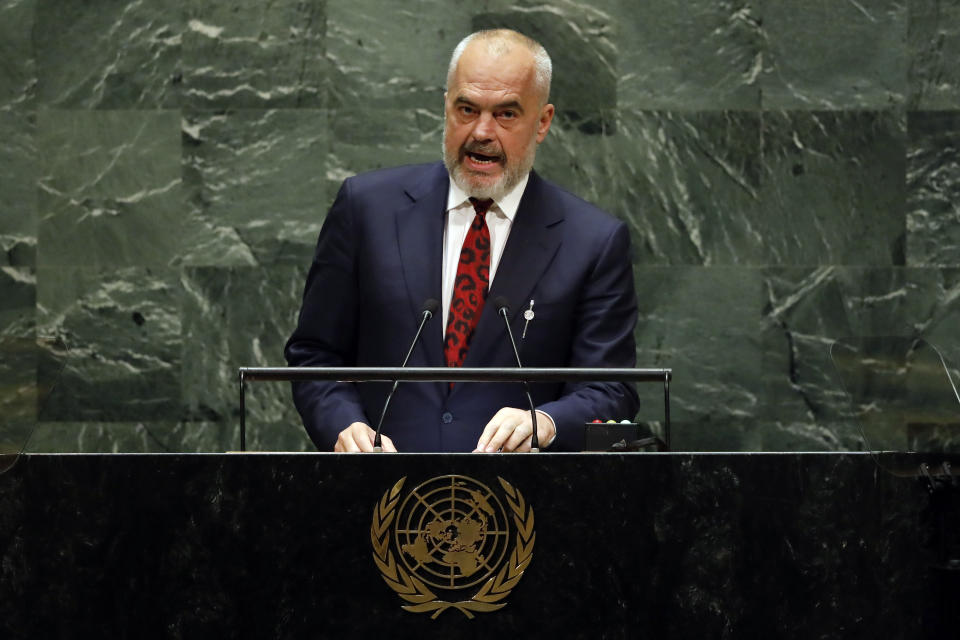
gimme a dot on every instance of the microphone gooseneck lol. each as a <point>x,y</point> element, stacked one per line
<point>503,309</point>
<point>427,309</point>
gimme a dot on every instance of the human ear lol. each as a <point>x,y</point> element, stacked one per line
<point>546,117</point>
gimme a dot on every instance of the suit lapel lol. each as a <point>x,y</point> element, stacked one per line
<point>534,240</point>
<point>419,226</point>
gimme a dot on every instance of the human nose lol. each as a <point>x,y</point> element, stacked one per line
<point>485,127</point>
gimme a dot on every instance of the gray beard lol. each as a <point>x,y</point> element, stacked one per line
<point>495,191</point>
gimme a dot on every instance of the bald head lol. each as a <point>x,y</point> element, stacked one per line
<point>497,43</point>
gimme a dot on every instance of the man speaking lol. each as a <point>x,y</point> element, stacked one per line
<point>479,228</point>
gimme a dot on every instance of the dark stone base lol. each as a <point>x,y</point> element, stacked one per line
<point>627,546</point>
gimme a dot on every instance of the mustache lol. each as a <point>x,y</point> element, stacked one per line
<point>483,149</point>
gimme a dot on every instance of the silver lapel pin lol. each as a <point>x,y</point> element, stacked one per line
<point>528,316</point>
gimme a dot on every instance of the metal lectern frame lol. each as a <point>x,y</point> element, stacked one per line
<point>452,374</point>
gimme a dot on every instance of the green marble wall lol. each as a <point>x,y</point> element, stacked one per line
<point>790,173</point>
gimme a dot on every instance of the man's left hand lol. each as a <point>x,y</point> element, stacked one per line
<point>511,430</point>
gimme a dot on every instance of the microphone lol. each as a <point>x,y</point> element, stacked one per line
<point>427,309</point>
<point>503,309</point>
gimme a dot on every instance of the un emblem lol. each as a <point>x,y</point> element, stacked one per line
<point>452,534</point>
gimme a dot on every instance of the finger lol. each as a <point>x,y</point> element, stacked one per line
<point>508,424</point>
<point>355,438</point>
<point>345,443</point>
<point>363,436</point>
<point>496,431</point>
<point>519,439</point>
<point>387,444</point>
<point>489,430</point>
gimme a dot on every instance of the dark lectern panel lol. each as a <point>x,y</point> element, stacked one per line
<point>627,546</point>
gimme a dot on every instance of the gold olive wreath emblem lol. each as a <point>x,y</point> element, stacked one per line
<point>452,533</point>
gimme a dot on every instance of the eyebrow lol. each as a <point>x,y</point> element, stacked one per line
<point>510,104</point>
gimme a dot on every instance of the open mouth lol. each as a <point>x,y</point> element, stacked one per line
<point>482,158</point>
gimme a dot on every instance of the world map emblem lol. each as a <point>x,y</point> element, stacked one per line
<point>452,542</point>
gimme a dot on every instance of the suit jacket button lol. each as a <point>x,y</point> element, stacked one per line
<point>447,417</point>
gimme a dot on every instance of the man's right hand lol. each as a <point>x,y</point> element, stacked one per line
<point>359,437</point>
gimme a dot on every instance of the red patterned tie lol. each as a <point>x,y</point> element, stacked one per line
<point>470,287</point>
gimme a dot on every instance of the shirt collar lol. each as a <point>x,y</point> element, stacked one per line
<point>508,204</point>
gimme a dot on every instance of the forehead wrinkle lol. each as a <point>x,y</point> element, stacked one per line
<point>512,103</point>
<point>516,86</point>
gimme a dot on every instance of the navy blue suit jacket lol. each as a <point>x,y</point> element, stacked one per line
<point>378,258</point>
